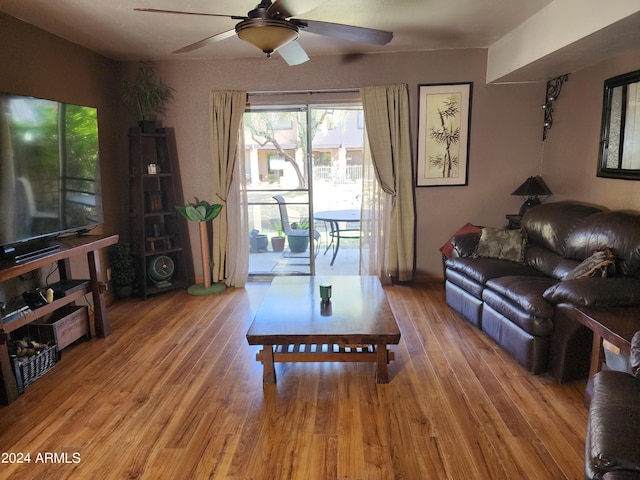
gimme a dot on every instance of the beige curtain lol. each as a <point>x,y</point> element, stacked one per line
<point>227,108</point>
<point>237,207</point>
<point>374,221</point>
<point>390,223</point>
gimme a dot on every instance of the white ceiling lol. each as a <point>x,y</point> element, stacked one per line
<point>113,29</point>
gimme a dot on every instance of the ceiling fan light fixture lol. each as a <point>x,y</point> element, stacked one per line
<point>266,33</point>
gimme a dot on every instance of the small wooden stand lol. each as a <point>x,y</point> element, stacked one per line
<point>88,245</point>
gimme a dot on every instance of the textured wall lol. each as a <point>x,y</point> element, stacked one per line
<point>38,64</point>
<point>505,134</point>
<point>506,130</point>
<point>573,144</point>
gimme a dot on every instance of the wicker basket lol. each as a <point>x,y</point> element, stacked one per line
<point>29,369</point>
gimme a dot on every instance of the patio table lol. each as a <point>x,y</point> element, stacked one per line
<point>334,218</point>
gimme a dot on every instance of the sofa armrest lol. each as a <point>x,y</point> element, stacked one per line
<point>634,357</point>
<point>464,245</point>
<point>621,475</point>
<point>596,292</point>
<point>612,441</point>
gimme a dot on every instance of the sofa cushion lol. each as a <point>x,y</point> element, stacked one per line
<point>613,424</point>
<point>465,282</point>
<point>519,298</point>
<point>483,269</point>
<point>596,292</point>
<point>619,231</point>
<point>548,262</point>
<point>550,224</point>
<point>502,244</point>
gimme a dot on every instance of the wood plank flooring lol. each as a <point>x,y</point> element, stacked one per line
<point>176,393</point>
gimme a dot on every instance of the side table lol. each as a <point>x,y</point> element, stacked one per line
<point>616,325</point>
<point>514,221</point>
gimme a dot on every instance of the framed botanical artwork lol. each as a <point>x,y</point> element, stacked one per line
<point>443,134</point>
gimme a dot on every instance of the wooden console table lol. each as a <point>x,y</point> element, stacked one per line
<point>617,325</point>
<point>88,245</point>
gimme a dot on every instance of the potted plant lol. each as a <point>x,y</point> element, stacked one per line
<point>277,241</point>
<point>123,271</point>
<point>299,236</point>
<point>149,94</point>
<point>201,211</point>
<point>258,242</point>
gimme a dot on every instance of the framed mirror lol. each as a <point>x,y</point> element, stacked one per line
<point>620,137</point>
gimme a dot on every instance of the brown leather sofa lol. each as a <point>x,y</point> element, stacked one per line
<point>514,301</point>
<point>612,447</point>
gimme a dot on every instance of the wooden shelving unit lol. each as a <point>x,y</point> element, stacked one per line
<point>156,228</point>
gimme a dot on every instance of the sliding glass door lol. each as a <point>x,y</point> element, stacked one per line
<point>300,160</point>
<point>278,190</point>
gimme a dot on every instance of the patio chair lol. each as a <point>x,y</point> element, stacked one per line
<point>294,232</point>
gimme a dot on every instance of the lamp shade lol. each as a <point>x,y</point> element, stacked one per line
<point>267,34</point>
<point>532,187</point>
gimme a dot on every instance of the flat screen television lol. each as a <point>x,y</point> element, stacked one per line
<point>49,174</point>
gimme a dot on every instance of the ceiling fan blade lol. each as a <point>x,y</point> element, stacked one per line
<point>345,32</point>
<point>158,10</point>
<point>290,8</point>
<point>206,41</point>
<point>293,53</point>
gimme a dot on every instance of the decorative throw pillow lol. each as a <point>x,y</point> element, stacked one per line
<point>502,244</point>
<point>594,266</point>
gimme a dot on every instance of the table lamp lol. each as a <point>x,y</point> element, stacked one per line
<point>530,190</point>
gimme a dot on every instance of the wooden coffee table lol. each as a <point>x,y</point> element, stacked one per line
<point>293,325</point>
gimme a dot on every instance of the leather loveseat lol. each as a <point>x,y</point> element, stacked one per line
<point>612,447</point>
<point>510,293</point>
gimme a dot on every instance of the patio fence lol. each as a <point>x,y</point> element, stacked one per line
<point>338,175</point>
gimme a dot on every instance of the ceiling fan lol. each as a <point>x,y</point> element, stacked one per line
<point>271,26</point>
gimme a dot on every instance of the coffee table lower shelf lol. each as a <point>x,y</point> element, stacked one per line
<point>270,354</point>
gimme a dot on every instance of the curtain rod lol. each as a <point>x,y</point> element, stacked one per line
<point>301,92</point>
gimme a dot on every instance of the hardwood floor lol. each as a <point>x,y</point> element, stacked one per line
<point>176,393</point>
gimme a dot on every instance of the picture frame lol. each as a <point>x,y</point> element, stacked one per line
<point>444,123</point>
<point>155,201</point>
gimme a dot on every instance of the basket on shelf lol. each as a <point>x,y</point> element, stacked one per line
<point>29,368</point>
